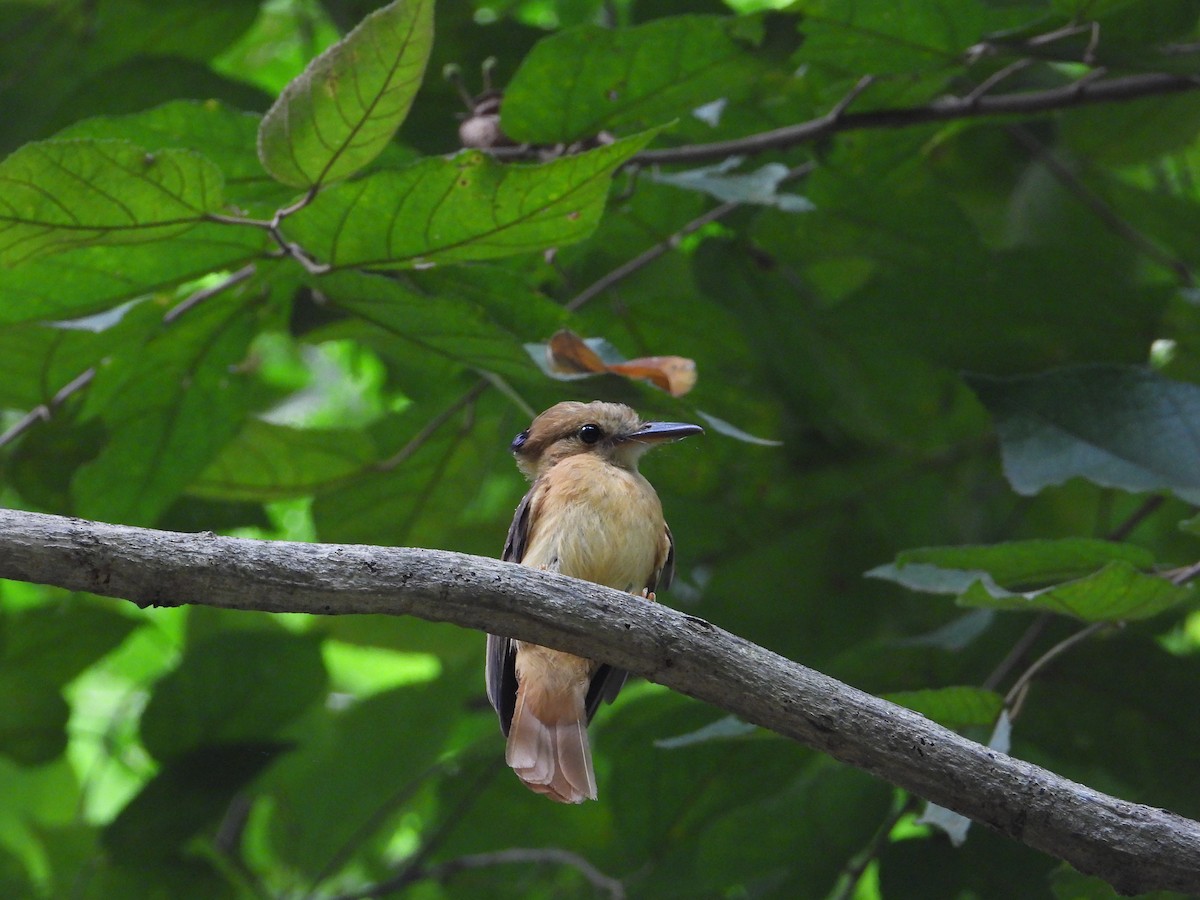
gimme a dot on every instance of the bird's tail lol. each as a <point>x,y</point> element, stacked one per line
<point>548,744</point>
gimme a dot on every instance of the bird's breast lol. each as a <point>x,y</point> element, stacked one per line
<point>596,521</point>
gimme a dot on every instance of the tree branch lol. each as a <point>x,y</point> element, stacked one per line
<point>1078,93</point>
<point>1134,847</point>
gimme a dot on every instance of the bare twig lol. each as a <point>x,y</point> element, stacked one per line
<point>200,296</point>
<point>1100,208</point>
<point>1136,518</point>
<point>422,437</point>
<point>45,411</point>
<point>1015,697</point>
<point>857,867</point>
<point>648,256</point>
<point>1134,847</point>
<point>1085,91</point>
<point>1018,651</point>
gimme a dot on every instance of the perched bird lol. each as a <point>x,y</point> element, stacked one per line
<point>589,514</point>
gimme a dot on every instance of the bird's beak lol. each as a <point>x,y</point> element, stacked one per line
<point>663,432</point>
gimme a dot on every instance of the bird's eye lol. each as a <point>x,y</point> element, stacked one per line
<point>589,433</point>
<point>519,441</point>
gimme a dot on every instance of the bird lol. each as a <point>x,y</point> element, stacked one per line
<point>589,514</point>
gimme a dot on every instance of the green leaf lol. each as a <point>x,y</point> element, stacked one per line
<point>231,688</point>
<point>954,707</point>
<point>57,641</point>
<point>168,406</point>
<point>448,326</point>
<point>578,82</point>
<point>1013,564</point>
<point>33,718</point>
<point>266,461</point>
<point>725,729</point>
<point>469,207</point>
<point>186,795</point>
<point>340,113</point>
<point>1117,426</point>
<point>381,751</point>
<point>901,36</point>
<point>223,134</point>
<point>1118,592</point>
<point>56,195</point>
<point>90,279</point>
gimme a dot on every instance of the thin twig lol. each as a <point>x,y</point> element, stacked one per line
<point>1136,518</point>
<point>1078,93</point>
<point>1015,696</point>
<point>1100,208</point>
<point>200,296</point>
<point>414,869</point>
<point>45,411</point>
<point>857,866</point>
<point>535,855</point>
<point>648,256</point>
<point>422,437</point>
<point>1018,651</point>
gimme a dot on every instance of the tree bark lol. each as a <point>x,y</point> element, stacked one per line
<point>1135,848</point>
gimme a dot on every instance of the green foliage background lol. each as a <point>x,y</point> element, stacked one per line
<point>971,347</point>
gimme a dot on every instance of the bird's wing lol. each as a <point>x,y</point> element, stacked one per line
<point>661,578</point>
<point>501,667</point>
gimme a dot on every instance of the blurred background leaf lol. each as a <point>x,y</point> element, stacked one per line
<point>959,356</point>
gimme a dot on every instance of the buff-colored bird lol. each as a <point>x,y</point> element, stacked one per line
<point>589,514</point>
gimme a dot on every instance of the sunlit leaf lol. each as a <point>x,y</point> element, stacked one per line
<point>465,208</point>
<point>1118,426</point>
<point>340,113</point>
<point>56,195</point>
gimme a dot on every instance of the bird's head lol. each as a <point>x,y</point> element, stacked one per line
<point>612,431</point>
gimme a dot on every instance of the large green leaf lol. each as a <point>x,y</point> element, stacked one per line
<point>89,279</point>
<point>232,688</point>
<point>223,134</point>
<point>168,407</point>
<point>1118,592</point>
<point>266,461</point>
<point>56,195</point>
<point>1013,564</point>
<point>1118,426</point>
<point>580,81</point>
<point>449,326</point>
<point>33,717</point>
<point>381,752</point>
<point>187,794</point>
<point>340,113</point>
<point>57,641</point>
<point>878,37</point>
<point>468,207</point>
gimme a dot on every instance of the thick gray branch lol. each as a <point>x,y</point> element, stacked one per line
<point>1136,848</point>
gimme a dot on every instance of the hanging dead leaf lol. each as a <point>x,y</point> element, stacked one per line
<point>567,355</point>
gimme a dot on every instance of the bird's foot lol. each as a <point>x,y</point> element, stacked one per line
<point>648,594</point>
